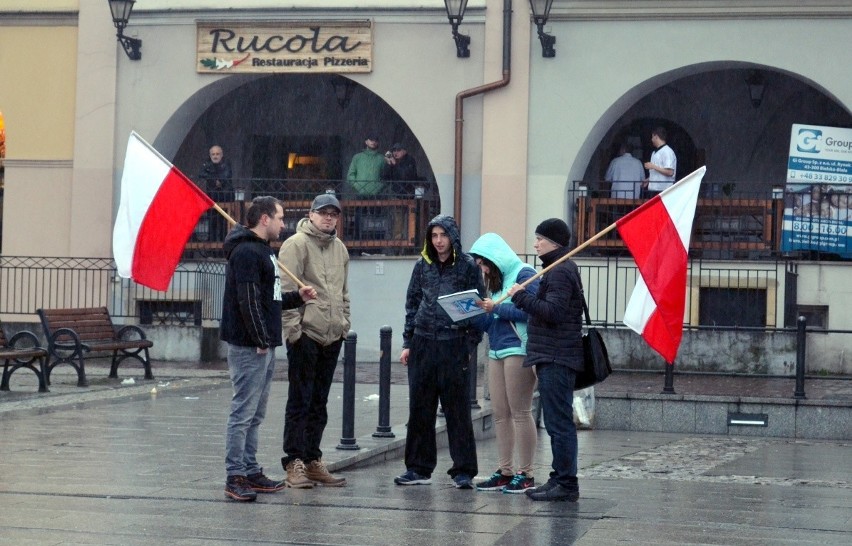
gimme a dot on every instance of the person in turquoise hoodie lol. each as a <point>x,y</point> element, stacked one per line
<point>511,384</point>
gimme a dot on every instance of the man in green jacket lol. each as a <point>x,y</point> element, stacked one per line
<point>365,169</point>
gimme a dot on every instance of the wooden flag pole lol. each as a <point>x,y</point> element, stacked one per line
<point>589,241</point>
<point>232,222</point>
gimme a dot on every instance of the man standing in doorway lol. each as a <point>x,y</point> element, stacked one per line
<point>251,326</point>
<point>662,168</point>
<point>314,337</point>
<point>626,174</point>
<point>365,169</point>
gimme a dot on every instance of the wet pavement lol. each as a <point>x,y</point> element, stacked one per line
<point>118,464</point>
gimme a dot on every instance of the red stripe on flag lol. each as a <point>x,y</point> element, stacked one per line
<point>166,228</point>
<point>653,240</point>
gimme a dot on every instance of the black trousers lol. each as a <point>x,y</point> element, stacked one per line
<point>438,370</point>
<point>310,372</point>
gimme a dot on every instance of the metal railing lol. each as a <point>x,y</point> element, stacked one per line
<point>728,224</point>
<point>391,221</point>
<point>712,285</point>
<point>28,283</point>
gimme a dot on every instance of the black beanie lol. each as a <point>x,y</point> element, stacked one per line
<point>556,230</point>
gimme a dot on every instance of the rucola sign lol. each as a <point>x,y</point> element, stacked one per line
<point>322,46</point>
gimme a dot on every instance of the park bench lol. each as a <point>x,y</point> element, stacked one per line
<point>73,334</point>
<point>22,351</point>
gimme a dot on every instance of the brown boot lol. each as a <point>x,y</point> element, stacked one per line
<point>296,477</point>
<point>319,474</point>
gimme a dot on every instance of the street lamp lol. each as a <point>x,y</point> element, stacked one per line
<point>343,88</point>
<point>756,87</point>
<point>455,13</point>
<point>541,13</point>
<point>121,10</point>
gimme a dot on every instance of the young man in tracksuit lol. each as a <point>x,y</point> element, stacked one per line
<point>251,326</point>
<point>435,349</point>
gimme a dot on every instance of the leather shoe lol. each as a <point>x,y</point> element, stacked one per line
<point>557,492</point>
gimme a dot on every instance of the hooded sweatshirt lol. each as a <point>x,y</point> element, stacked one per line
<point>423,315</point>
<point>507,325</point>
<point>252,302</point>
<point>320,260</point>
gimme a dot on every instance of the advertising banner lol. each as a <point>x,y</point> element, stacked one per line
<point>819,191</point>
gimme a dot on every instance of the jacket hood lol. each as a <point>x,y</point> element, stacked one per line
<point>448,223</point>
<point>497,251</point>
<point>322,238</point>
<point>240,234</point>
<point>492,247</point>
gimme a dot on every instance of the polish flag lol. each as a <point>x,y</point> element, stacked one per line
<point>157,213</point>
<point>657,235</point>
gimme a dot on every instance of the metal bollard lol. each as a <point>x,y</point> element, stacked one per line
<point>384,428</point>
<point>473,364</point>
<point>668,386</point>
<point>801,352</point>
<point>347,440</point>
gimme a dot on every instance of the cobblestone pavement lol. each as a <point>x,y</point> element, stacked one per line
<point>119,464</point>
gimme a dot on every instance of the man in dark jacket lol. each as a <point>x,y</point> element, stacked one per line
<point>399,166</point>
<point>251,325</point>
<point>555,348</point>
<point>435,349</point>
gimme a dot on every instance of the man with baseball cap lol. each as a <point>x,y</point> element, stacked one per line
<point>314,336</point>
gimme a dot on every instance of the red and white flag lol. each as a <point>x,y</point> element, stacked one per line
<point>657,235</point>
<point>158,211</point>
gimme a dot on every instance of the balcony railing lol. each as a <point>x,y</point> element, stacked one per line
<point>737,225</point>
<point>390,222</point>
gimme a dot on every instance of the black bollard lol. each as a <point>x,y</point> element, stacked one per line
<point>668,387</point>
<point>473,364</point>
<point>347,440</point>
<point>384,428</point>
<point>801,352</point>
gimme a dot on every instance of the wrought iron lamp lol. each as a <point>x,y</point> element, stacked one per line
<point>121,10</point>
<point>756,87</point>
<point>541,13</point>
<point>343,88</point>
<point>455,13</point>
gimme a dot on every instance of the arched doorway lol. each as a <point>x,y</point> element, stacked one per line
<point>713,119</point>
<point>293,136</point>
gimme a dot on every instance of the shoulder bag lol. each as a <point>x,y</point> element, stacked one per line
<point>596,366</point>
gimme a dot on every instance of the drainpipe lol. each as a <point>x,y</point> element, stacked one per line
<point>507,47</point>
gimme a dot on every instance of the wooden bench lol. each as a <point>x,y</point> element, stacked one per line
<point>74,333</point>
<point>22,351</point>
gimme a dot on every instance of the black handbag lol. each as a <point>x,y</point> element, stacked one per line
<point>596,366</point>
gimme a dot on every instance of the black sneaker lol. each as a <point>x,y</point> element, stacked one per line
<point>496,482</point>
<point>239,489</point>
<point>261,484</point>
<point>556,493</point>
<point>520,483</point>
<point>463,481</point>
<point>412,478</point>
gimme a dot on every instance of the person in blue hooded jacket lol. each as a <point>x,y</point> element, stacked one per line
<point>435,349</point>
<point>511,384</point>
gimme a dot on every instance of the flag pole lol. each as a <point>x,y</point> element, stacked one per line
<point>589,241</point>
<point>233,222</point>
<point>603,232</point>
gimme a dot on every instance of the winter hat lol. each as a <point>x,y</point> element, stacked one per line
<point>555,230</point>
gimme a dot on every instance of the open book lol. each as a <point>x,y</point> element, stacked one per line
<point>461,305</point>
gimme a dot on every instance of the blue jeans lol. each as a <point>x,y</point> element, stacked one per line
<point>556,391</point>
<point>251,377</point>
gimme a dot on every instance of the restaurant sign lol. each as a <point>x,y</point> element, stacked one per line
<point>287,46</point>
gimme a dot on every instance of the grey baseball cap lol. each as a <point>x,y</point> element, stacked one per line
<point>325,200</point>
